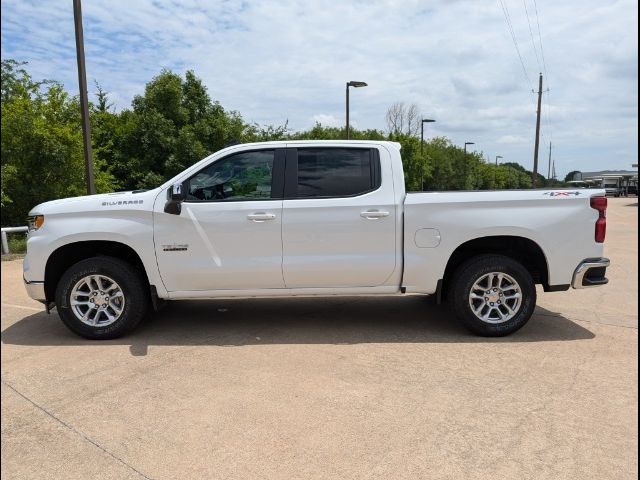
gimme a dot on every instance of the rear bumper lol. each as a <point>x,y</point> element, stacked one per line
<point>35,290</point>
<point>591,273</point>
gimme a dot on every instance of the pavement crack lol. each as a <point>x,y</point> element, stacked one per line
<point>76,431</point>
<point>594,322</point>
<point>12,305</point>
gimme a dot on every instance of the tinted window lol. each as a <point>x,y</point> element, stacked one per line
<point>334,172</point>
<point>244,176</point>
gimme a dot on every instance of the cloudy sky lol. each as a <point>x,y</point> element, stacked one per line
<point>289,60</point>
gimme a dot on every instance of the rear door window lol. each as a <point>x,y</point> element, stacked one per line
<point>336,172</point>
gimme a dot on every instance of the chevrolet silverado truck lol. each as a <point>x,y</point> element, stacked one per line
<point>310,218</point>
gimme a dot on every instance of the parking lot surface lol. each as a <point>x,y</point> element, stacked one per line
<point>354,387</point>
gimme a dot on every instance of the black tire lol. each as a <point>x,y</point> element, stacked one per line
<point>474,269</point>
<point>131,282</point>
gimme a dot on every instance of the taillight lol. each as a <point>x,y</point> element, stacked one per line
<point>600,204</point>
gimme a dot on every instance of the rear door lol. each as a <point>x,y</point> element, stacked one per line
<point>339,218</point>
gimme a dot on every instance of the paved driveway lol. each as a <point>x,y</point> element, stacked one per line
<point>339,388</point>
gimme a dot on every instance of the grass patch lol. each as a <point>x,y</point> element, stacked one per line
<point>17,246</point>
<point>12,256</point>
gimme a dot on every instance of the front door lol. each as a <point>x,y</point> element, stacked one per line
<point>339,218</point>
<point>229,232</point>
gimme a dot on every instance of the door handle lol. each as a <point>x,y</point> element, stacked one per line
<point>374,214</point>
<point>261,217</point>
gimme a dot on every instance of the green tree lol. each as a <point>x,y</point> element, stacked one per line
<point>41,145</point>
<point>268,133</point>
<point>570,175</point>
<point>169,128</point>
<point>174,124</point>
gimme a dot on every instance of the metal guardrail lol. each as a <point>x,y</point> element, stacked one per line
<point>5,230</point>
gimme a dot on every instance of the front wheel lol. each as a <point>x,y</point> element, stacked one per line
<point>101,298</point>
<point>492,295</point>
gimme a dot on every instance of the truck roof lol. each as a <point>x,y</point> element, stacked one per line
<point>388,143</point>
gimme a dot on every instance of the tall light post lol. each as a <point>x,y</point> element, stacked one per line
<point>354,84</point>
<point>497,157</point>
<point>424,120</point>
<point>466,165</point>
<point>495,175</point>
<point>84,101</point>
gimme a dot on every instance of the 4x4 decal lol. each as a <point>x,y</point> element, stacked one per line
<point>562,194</point>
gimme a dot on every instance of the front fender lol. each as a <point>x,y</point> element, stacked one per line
<point>131,228</point>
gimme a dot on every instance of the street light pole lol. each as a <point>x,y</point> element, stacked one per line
<point>84,101</point>
<point>466,164</point>
<point>495,175</point>
<point>354,84</point>
<point>347,111</point>
<point>424,120</point>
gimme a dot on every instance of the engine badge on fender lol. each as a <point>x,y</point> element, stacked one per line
<point>175,248</point>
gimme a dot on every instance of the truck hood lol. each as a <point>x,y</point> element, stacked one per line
<point>135,199</point>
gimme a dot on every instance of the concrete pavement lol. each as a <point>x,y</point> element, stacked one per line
<point>329,388</point>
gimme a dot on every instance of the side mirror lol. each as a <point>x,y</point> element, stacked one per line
<point>177,192</point>
<point>175,196</point>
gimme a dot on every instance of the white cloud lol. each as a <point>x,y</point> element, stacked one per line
<point>512,139</point>
<point>277,60</point>
<point>327,120</point>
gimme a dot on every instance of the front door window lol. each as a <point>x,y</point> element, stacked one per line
<point>244,176</point>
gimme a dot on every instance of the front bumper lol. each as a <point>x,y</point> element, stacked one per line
<point>35,290</point>
<point>591,273</point>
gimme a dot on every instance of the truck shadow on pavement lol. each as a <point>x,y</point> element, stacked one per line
<point>337,320</point>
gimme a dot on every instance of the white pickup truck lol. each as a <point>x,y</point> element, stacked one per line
<point>310,218</point>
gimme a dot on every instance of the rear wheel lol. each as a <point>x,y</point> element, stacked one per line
<point>101,298</point>
<point>492,295</point>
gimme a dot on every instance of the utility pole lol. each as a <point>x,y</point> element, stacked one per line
<point>84,101</point>
<point>534,174</point>
<point>549,170</point>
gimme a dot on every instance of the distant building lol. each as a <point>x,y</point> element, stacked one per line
<point>604,173</point>
<point>615,182</point>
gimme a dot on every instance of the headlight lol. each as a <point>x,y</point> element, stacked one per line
<point>34,222</point>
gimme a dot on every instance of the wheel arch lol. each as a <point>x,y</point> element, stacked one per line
<point>71,253</point>
<point>522,249</point>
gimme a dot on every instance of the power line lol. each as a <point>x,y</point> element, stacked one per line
<point>544,68</point>
<point>533,42</point>
<point>544,64</point>
<point>548,115</point>
<point>507,17</point>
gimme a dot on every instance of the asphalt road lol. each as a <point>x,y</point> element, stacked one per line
<point>364,388</point>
